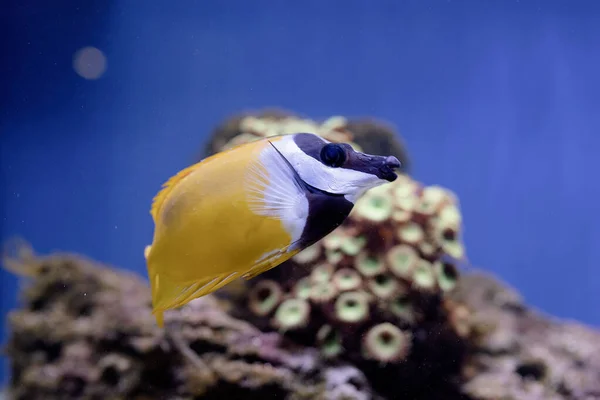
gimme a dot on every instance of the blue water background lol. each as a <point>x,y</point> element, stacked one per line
<point>497,100</point>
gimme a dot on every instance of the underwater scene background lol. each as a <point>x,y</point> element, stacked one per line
<point>495,101</point>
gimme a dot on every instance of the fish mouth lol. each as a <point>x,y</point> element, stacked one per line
<point>388,167</point>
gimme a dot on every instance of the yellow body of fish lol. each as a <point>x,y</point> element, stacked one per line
<point>206,234</point>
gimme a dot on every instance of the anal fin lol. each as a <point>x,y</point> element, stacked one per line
<point>168,294</point>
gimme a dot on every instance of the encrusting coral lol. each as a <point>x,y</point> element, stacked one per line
<point>86,332</point>
<point>373,291</point>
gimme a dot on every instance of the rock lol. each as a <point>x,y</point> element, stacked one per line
<point>522,354</point>
<point>85,331</point>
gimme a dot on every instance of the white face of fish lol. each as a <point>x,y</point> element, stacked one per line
<point>335,167</point>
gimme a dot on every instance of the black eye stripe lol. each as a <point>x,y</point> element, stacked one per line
<point>312,145</point>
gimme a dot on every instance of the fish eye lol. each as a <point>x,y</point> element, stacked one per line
<point>333,155</point>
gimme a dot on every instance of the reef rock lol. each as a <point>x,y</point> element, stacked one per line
<point>522,354</point>
<point>85,331</point>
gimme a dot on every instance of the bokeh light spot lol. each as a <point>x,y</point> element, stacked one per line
<point>89,62</point>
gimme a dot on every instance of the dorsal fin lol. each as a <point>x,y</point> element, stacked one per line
<point>167,187</point>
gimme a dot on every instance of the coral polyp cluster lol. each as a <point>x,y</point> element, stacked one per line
<point>389,262</point>
<point>374,291</point>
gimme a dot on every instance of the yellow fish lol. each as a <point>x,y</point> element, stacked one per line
<point>246,210</point>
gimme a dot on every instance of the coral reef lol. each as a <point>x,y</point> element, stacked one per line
<point>373,292</point>
<point>380,290</point>
<point>371,136</point>
<point>86,332</point>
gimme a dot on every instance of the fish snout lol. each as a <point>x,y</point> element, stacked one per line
<point>393,162</point>
<point>387,167</point>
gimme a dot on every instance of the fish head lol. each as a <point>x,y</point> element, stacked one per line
<point>336,168</point>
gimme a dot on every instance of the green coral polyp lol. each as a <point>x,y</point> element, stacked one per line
<point>322,273</point>
<point>352,307</point>
<point>383,286</point>
<point>369,265</point>
<point>323,292</point>
<point>334,256</point>
<point>402,260</point>
<point>450,216</point>
<point>401,216</point>
<point>411,233</point>
<point>330,341</point>
<point>405,190</point>
<point>406,203</point>
<point>447,275</point>
<point>431,200</point>
<point>308,255</point>
<point>264,297</point>
<point>333,241</point>
<point>427,249</point>
<point>449,239</point>
<point>424,275</point>
<point>292,314</point>
<point>302,288</point>
<point>426,207</point>
<point>353,245</point>
<point>347,279</point>
<point>386,343</point>
<point>375,207</point>
<point>453,248</point>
